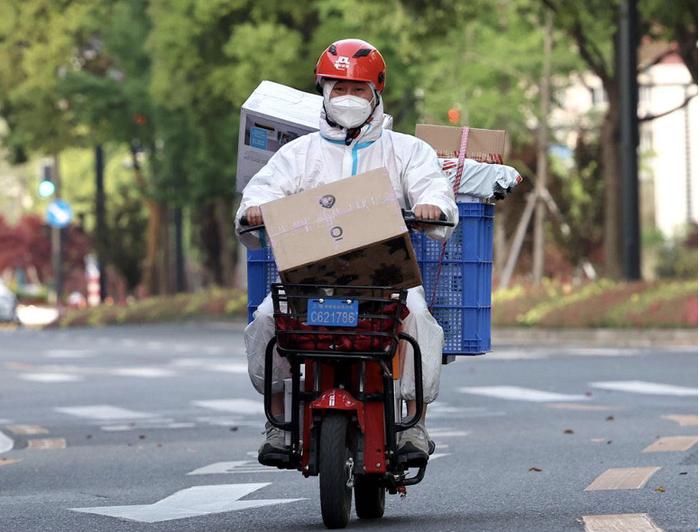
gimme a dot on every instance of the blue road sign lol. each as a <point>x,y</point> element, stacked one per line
<point>59,214</point>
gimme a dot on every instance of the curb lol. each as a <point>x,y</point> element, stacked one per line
<point>502,336</point>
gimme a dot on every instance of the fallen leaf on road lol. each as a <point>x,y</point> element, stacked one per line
<point>609,442</point>
<point>661,489</point>
<point>610,418</point>
<point>535,469</point>
<point>142,436</point>
<point>568,431</point>
<point>588,394</point>
<point>683,473</point>
<point>233,429</point>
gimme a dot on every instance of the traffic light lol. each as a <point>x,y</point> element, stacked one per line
<point>46,187</point>
<point>454,115</point>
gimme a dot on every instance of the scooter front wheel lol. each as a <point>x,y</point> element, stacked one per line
<point>335,470</point>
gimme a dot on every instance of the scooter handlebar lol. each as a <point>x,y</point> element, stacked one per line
<point>408,216</point>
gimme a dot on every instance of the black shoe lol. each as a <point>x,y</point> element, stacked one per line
<point>414,446</point>
<point>273,452</point>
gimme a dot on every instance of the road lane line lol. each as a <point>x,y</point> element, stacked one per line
<point>6,443</point>
<point>684,421</point>
<point>103,412</point>
<point>27,429</point>
<point>620,523</point>
<point>50,377</point>
<point>144,373</point>
<point>68,353</point>
<point>236,466</point>
<point>516,393</point>
<point>672,443</point>
<point>47,443</point>
<point>239,406</point>
<point>624,478</point>
<point>643,387</point>
<point>579,406</point>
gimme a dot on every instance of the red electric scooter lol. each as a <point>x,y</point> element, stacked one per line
<point>345,349</point>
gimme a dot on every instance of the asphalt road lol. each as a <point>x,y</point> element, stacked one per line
<point>156,428</point>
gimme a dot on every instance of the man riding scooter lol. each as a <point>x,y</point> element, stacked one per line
<point>351,76</point>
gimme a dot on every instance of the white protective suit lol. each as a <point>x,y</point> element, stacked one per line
<point>319,158</point>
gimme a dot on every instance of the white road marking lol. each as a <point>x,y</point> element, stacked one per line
<point>238,406</point>
<point>516,393</point>
<point>27,429</point>
<point>50,377</point>
<point>233,367</point>
<point>190,502</point>
<point>155,424</point>
<point>47,443</point>
<point>643,387</point>
<point>620,523</point>
<point>221,421</point>
<point>436,433</point>
<point>237,466</point>
<point>145,373</point>
<point>6,443</point>
<point>435,456</point>
<point>68,353</point>
<point>623,478</point>
<point>671,444</point>
<point>103,412</point>
<point>577,406</point>
<point>684,420</point>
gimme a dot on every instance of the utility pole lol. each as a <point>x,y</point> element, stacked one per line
<point>542,154</point>
<point>56,236</point>
<point>100,225</point>
<point>629,131</point>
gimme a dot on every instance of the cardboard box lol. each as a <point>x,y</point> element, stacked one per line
<point>349,232</point>
<point>484,145</point>
<point>273,115</point>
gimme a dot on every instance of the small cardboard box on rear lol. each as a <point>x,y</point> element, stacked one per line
<point>349,232</point>
<point>484,145</point>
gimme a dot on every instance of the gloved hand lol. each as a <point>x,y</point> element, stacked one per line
<point>499,192</point>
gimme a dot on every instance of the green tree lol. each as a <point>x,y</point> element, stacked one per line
<point>592,26</point>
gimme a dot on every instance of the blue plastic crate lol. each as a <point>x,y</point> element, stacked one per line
<point>262,272</point>
<point>460,298</point>
<point>459,291</point>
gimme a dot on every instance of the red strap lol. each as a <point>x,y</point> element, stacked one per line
<point>455,188</point>
<point>460,160</point>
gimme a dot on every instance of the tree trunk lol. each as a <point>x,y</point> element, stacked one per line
<point>610,167</point>
<point>153,270</point>
<point>223,212</point>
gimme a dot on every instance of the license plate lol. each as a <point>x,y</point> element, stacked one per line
<point>332,312</point>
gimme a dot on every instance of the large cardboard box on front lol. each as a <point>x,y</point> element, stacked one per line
<point>273,115</point>
<point>349,232</point>
<point>483,145</point>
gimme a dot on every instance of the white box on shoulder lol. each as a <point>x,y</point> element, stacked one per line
<point>273,115</point>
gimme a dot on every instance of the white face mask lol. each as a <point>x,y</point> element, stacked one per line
<point>348,111</point>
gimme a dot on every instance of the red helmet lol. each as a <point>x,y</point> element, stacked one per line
<point>351,59</point>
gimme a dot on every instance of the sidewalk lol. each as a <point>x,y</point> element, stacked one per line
<point>506,336</point>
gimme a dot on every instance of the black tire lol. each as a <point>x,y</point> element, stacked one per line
<point>369,497</point>
<point>336,496</point>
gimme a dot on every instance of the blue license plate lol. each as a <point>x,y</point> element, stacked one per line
<point>332,312</point>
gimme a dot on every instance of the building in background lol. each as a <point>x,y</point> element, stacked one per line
<point>668,169</point>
